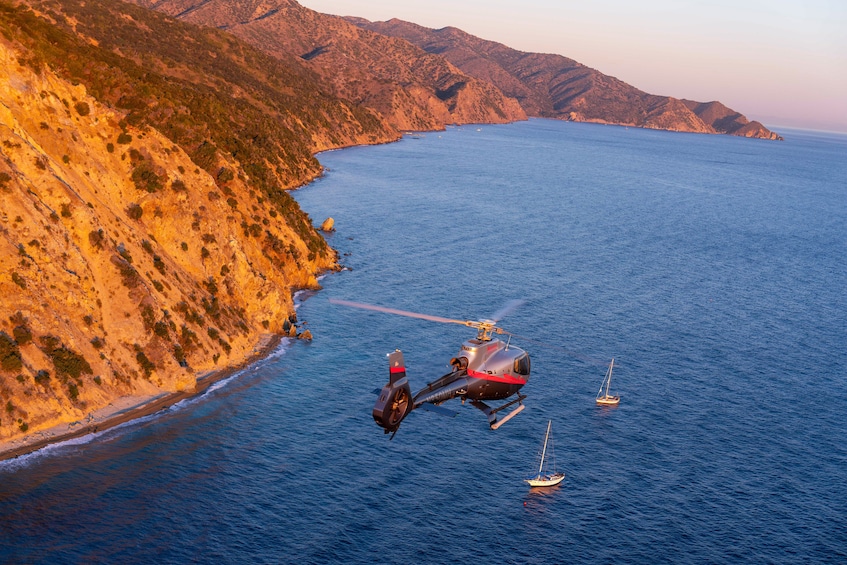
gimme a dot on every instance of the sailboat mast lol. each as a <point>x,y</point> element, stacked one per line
<point>609,376</point>
<point>544,451</point>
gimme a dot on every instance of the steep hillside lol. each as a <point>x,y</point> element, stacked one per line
<point>553,86</point>
<point>413,89</point>
<point>145,235</point>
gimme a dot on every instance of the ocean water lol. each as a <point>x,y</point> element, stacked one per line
<point>712,268</point>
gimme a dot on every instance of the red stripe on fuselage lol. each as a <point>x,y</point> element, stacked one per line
<point>397,369</point>
<point>511,379</point>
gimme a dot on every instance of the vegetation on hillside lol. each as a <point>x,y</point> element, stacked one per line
<point>210,93</point>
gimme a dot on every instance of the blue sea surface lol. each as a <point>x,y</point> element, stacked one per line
<point>712,268</point>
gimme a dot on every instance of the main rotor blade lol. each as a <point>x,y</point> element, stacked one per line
<point>375,308</point>
<point>506,310</point>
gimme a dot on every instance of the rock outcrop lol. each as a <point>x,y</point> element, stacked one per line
<point>328,225</point>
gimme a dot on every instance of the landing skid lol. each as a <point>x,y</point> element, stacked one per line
<point>493,422</point>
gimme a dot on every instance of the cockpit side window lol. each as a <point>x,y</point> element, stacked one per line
<point>522,365</point>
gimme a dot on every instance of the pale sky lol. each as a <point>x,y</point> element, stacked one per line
<point>782,62</point>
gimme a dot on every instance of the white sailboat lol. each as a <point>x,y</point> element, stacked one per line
<point>544,478</point>
<point>604,398</point>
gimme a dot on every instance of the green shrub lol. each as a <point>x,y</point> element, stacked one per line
<point>67,362</point>
<point>160,328</point>
<point>148,316</point>
<point>18,280</point>
<point>159,264</point>
<point>179,354</point>
<point>22,334</point>
<point>211,286</point>
<point>10,354</point>
<point>145,178</point>
<point>42,377</point>
<point>225,175</point>
<point>129,276</point>
<point>134,211</point>
<point>96,238</point>
<point>205,155</point>
<point>146,365</point>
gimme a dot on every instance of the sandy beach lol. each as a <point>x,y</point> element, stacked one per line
<point>129,408</point>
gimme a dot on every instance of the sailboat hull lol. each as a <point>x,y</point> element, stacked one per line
<point>608,400</point>
<point>546,480</point>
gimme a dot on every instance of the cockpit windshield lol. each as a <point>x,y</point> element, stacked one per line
<point>521,366</point>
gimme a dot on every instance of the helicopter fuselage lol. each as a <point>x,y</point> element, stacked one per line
<point>496,370</point>
<point>484,369</point>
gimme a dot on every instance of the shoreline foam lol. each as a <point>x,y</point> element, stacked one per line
<point>129,408</point>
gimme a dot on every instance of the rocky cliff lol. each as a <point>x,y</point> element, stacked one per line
<point>553,86</point>
<point>145,235</point>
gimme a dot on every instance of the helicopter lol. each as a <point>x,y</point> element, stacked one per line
<point>485,369</point>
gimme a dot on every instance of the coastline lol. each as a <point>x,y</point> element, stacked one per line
<point>129,408</point>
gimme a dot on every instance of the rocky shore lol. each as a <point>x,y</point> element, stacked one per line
<point>129,408</point>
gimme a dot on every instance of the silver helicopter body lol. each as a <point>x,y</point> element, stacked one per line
<point>485,368</point>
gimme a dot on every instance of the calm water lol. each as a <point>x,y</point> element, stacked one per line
<point>712,268</point>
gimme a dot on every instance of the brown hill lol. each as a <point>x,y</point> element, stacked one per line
<point>413,89</point>
<point>553,86</point>
<point>145,235</point>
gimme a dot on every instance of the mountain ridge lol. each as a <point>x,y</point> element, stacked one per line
<point>423,79</point>
<point>412,89</point>
<point>554,86</point>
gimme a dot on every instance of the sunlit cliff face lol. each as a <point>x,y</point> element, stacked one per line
<point>125,269</point>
